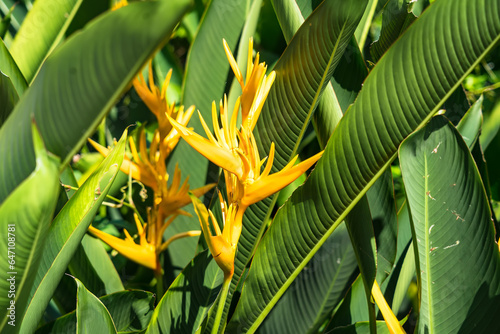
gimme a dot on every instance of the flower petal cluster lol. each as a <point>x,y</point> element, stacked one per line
<point>235,151</point>
<point>148,166</point>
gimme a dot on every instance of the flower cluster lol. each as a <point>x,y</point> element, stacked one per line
<point>235,151</point>
<point>148,166</point>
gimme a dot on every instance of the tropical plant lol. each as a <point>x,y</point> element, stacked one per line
<point>346,186</point>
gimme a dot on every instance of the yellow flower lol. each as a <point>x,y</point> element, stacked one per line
<point>148,166</point>
<point>156,101</point>
<point>235,150</point>
<point>147,251</point>
<point>222,245</point>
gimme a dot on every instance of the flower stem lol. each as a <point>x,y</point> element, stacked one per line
<point>389,317</point>
<point>221,303</point>
<point>159,280</point>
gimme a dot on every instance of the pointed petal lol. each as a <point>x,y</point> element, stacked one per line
<point>270,161</point>
<point>219,156</point>
<point>233,63</point>
<point>203,216</point>
<point>145,256</point>
<point>266,186</point>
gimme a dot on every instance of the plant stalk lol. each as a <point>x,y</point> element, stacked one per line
<point>221,303</point>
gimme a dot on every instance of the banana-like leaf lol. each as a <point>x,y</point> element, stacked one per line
<point>130,310</point>
<point>187,301</point>
<point>79,82</point>
<point>66,232</point>
<point>9,67</point>
<point>306,305</point>
<point>91,314</point>
<point>24,218</point>
<point>42,30</point>
<point>400,95</point>
<point>8,97</point>
<point>459,261</point>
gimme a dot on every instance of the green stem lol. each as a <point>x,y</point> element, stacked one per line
<point>159,280</point>
<point>221,303</point>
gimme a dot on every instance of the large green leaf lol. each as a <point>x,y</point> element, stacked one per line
<point>24,219</point>
<point>459,261</point>
<point>130,310</point>
<point>79,82</point>
<point>39,35</point>
<point>306,305</point>
<point>400,94</point>
<point>187,301</point>
<point>66,232</point>
<point>91,314</point>
<point>91,263</point>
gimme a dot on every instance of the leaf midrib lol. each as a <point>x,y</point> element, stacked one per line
<point>427,243</point>
<point>317,95</point>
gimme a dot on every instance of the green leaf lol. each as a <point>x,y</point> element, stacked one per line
<point>130,310</point>
<point>490,126</point>
<point>24,219</point>
<point>360,227</point>
<point>9,68</point>
<point>363,28</point>
<point>393,103</point>
<point>92,265</point>
<point>8,97</point>
<point>306,305</point>
<point>459,261</point>
<point>79,82</point>
<point>395,19</point>
<point>66,232</point>
<point>187,301</point>
<point>42,30</point>
<point>91,314</point>
<point>385,223</point>
<point>470,125</point>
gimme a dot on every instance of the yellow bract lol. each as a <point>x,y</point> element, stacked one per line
<point>235,150</point>
<point>147,165</point>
